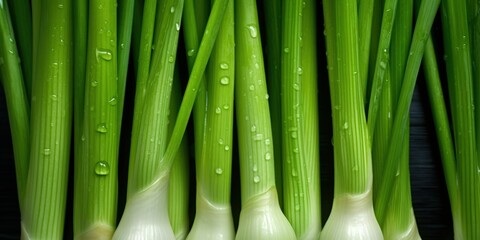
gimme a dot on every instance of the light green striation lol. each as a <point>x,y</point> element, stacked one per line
<point>95,203</point>
<point>43,213</point>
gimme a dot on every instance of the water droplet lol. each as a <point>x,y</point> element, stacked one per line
<point>253,31</point>
<point>102,128</point>
<point>255,167</point>
<point>219,171</point>
<point>94,83</point>
<point>226,148</point>
<point>220,141</point>
<point>286,50</point>
<point>345,125</point>
<point>258,137</point>
<point>191,52</point>
<point>103,54</point>
<point>385,50</point>
<point>53,97</point>
<point>60,5</point>
<point>122,45</point>
<point>267,96</point>
<point>295,150</point>
<point>253,128</point>
<point>177,26</point>
<point>172,9</point>
<point>256,179</point>
<point>224,66</point>
<point>224,80</point>
<point>296,86</point>
<point>112,101</point>
<point>294,173</point>
<point>268,141</point>
<point>46,151</point>
<point>83,138</point>
<point>383,64</point>
<point>218,110</point>
<point>102,168</point>
<point>299,71</point>
<point>294,134</point>
<point>226,107</point>
<point>268,156</point>
<point>171,59</point>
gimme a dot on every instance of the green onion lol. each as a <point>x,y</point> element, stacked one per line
<point>424,22</point>
<point>461,82</point>
<point>18,105</point>
<point>148,195</point>
<point>260,215</point>
<point>213,218</point>
<point>300,120</point>
<point>352,213</point>
<point>178,189</point>
<point>51,115</point>
<point>97,163</point>
<point>22,26</point>
<point>444,136</point>
<point>273,19</point>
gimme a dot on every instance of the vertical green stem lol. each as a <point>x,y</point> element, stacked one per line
<point>51,115</point>
<point>17,101</point>
<point>96,184</point>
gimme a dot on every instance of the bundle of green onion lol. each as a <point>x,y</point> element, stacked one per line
<point>253,90</point>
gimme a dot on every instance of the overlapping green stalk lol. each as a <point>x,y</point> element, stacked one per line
<point>213,218</point>
<point>461,84</point>
<point>18,105</point>
<point>392,167</point>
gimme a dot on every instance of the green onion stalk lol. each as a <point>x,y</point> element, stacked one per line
<point>352,215</point>
<point>43,210</point>
<point>300,119</point>
<point>213,218</point>
<point>260,215</point>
